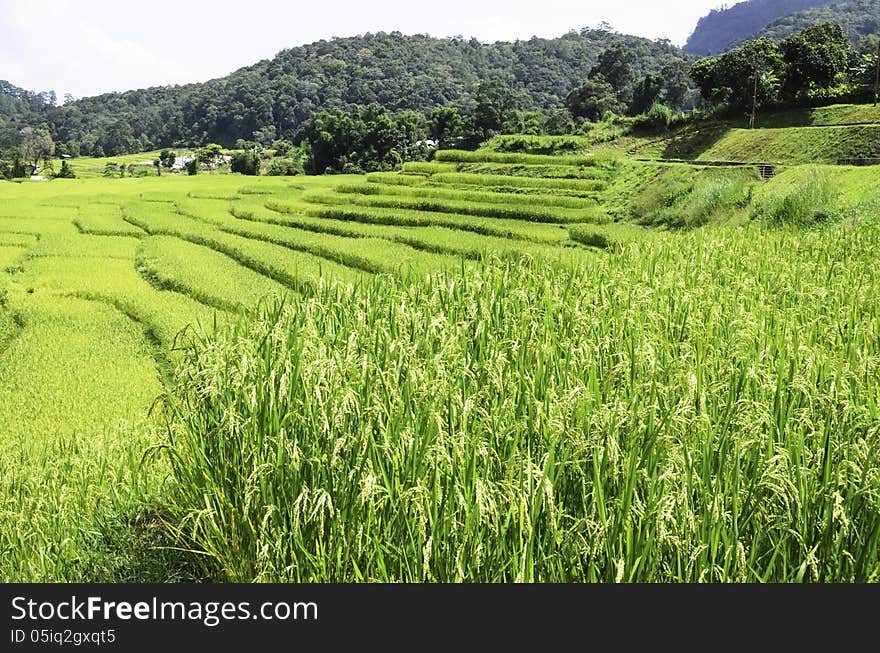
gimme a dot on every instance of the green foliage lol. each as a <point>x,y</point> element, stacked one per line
<point>246,163</point>
<point>592,100</point>
<point>733,77</point>
<point>274,99</point>
<point>815,58</point>
<point>167,158</point>
<point>66,171</point>
<point>285,168</point>
<point>535,144</point>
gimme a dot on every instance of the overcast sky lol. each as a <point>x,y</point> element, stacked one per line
<point>85,47</point>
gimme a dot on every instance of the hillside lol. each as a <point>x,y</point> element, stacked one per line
<point>723,27</point>
<point>274,97</point>
<point>859,18</point>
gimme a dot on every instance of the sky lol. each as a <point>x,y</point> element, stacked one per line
<point>87,47</point>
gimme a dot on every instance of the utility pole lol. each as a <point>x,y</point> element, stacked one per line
<point>754,101</point>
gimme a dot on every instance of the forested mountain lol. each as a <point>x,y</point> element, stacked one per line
<point>724,27</point>
<point>20,108</point>
<point>858,18</point>
<point>273,98</point>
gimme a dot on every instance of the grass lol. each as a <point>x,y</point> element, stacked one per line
<point>796,145</point>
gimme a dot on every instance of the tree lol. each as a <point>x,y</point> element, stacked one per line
<point>444,126</point>
<point>676,83</point>
<point>615,67</point>
<point>592,99</point>
<point>282,148</point>
<point>646,92</point>
<point>246,163</point>
<point>66,171</point>
<point>36,145</point>
<point>111,169</point>
<point>167,159</point>
<point>209,155</point>
<point>285,168</point>
<point>192,167</point>
<point>495,102</point>
<point>745,78</point>
<point>815,58</point>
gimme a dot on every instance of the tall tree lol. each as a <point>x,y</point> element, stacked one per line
<point>646,92</point>
<point>615,66</point>
<point>815,58</point>
<point>592,99</point>
<point>36,145</point>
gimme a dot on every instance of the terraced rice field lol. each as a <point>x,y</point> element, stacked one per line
<point>362,378</point>
<point>99,278</point>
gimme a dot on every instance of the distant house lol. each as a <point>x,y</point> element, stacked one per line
<point>181,162</point>
<point>430,144</point>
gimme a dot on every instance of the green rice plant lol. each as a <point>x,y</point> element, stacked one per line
<point>483,196</point>
<point>395,179</point>
<point>426,168</point>
<point>511,210</point>
<point>199,272</point>
<point>539,171</point>
<point>529,144</point>
<point>104,220</point>
<point>10,255</point>
<point>370,253</point>
<point>486,156</point>
<point>613,237</point>
<point>297,270</point>
<point>212,211</point>
<point>580,185</point>
<point>115,282</point>
<point>72,442</point>
<point>515,229</point>
<point>86,245</point>
<point>440,240</point>
<point>671,414</point>
<point>17,240</point>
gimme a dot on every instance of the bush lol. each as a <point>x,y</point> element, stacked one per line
<point>66,171</point>
<point>246,163</point>
<point>658,117</point>
<point>192,167</point>
<point>285,168</point>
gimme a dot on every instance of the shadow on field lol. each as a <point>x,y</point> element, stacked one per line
<point>138,549</point>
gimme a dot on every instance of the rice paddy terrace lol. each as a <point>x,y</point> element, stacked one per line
<point>635,400</point>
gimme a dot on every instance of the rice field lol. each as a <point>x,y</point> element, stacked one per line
<point>462,373</point>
